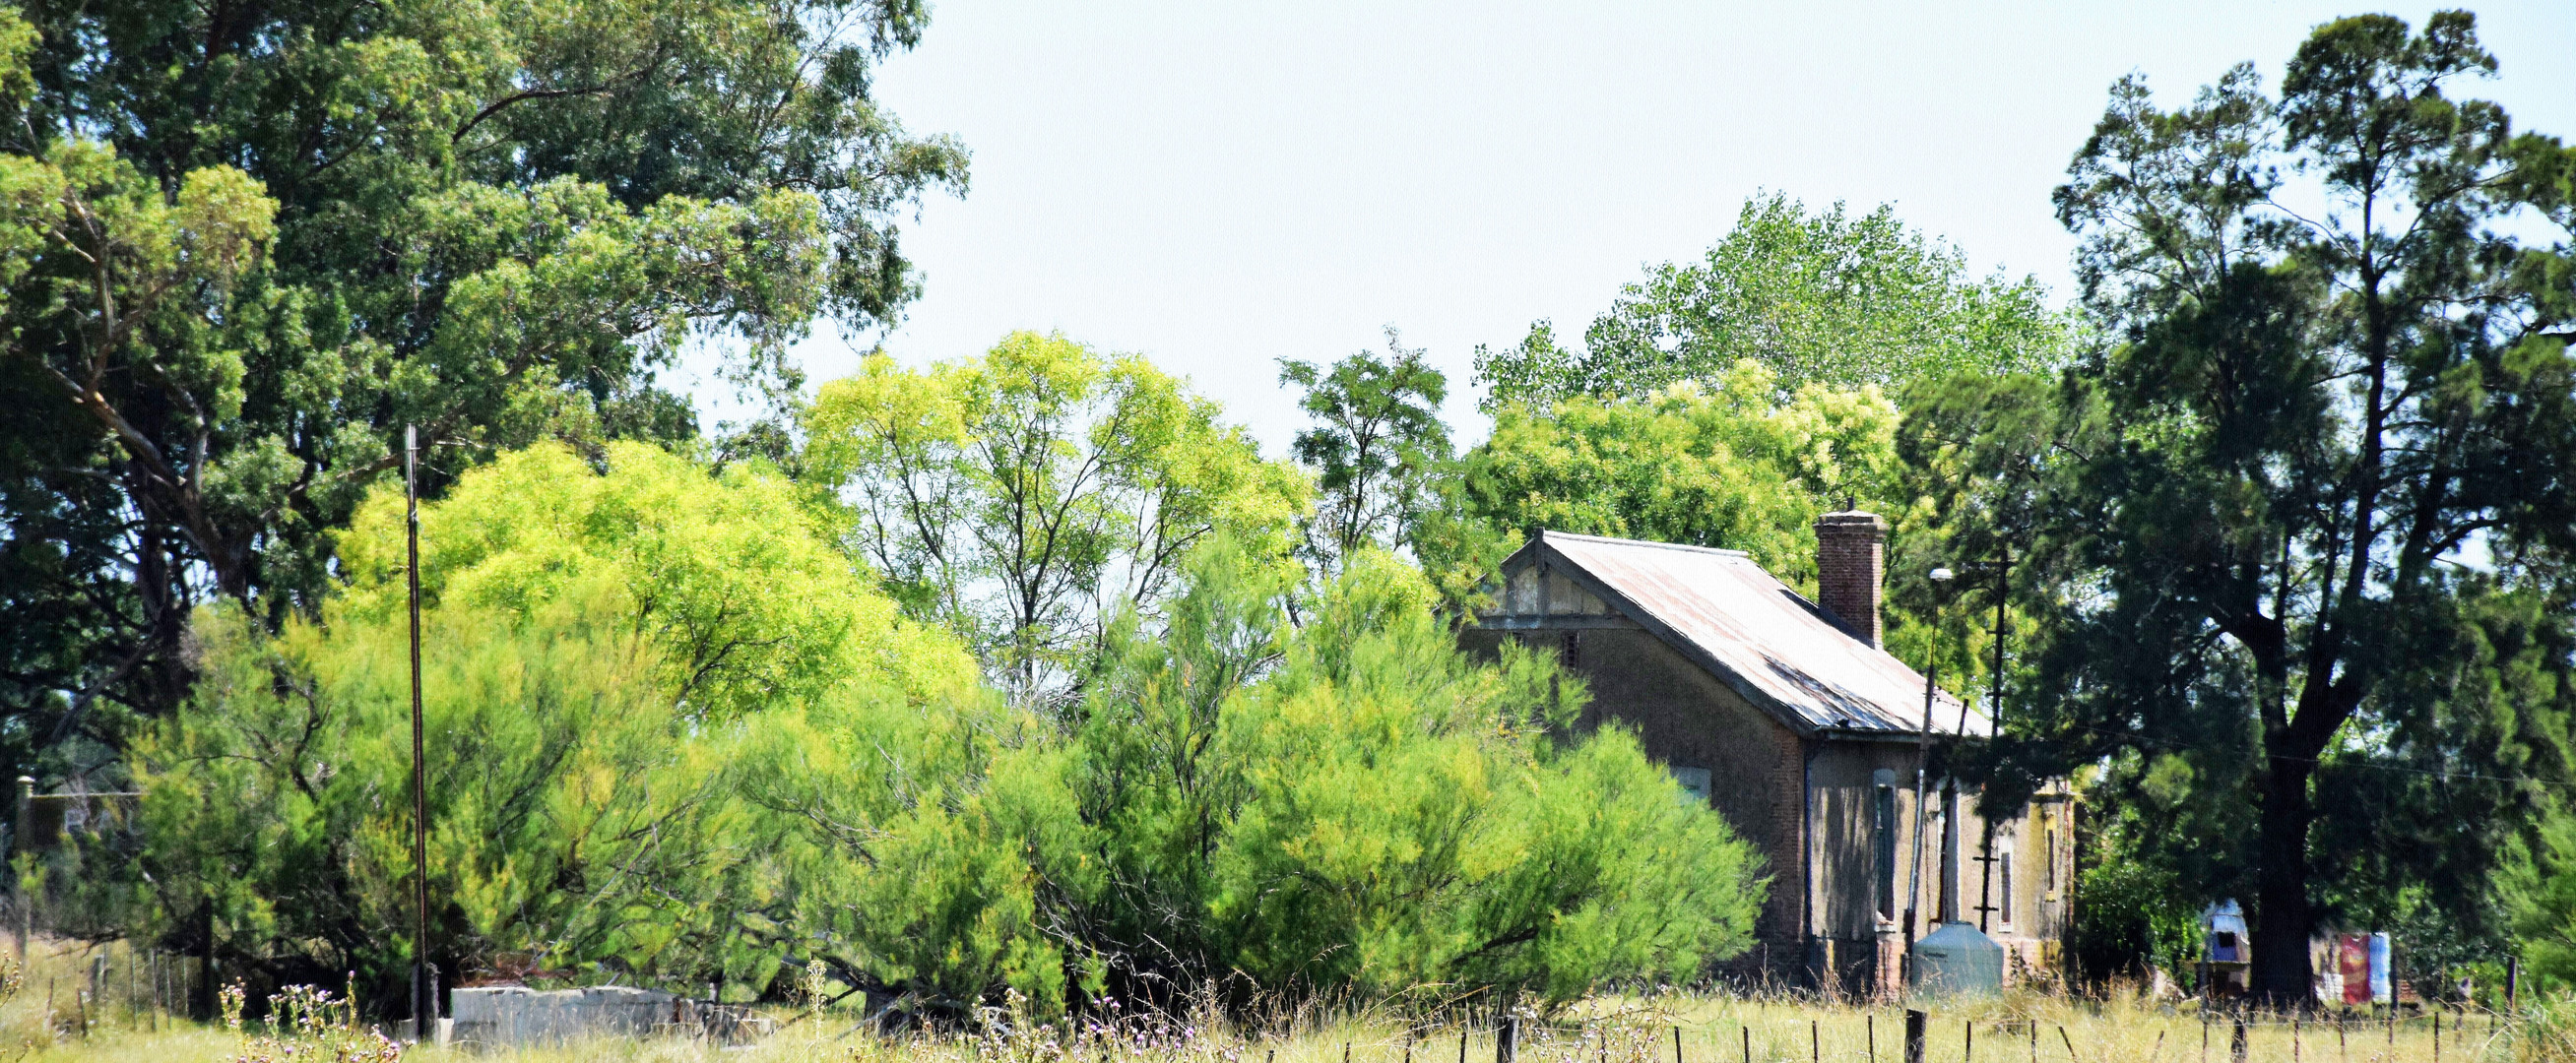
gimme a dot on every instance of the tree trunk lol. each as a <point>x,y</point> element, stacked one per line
<point>2281,974</point>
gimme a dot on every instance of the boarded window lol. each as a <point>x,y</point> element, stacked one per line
<point>1883,848</point>
<point>2048,870</point>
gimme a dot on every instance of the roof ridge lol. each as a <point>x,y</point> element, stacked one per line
<point>1545,533</point>
<point>1813,707</point>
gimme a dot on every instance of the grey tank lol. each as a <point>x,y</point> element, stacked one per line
<point>1957,960</point>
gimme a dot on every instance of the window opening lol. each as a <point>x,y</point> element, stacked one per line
<point>2048,870</point>
<point>1883,838</point>
<point>2005,869</point>
<point>1694,781</point>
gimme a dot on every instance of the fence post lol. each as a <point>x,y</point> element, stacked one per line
<point>18,843</point>
<point>2236,1041</point>
<point>1506,1050</point>
<point>1913,1036</point>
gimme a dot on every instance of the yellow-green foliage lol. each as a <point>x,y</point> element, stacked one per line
<point>914,838</point>
<point>1729,464</point>
<point>597,647</point>
<point>1354,803</point>
<point>674,735</point>
<point>741,595</point>
<point>1020,498</point>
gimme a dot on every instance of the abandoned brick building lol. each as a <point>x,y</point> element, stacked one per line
<point>1787,717</point>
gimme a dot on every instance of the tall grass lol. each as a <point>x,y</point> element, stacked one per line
<point>114,1026</point>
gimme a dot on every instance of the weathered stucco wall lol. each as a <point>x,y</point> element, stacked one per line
<point>1811,807</point>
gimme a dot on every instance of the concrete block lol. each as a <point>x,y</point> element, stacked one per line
<point>500,1016</point>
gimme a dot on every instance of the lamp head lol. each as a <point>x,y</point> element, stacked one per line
<point>1941,575</point>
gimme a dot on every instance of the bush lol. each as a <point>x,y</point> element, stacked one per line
<point>597,648</point>
<point>674,736</point>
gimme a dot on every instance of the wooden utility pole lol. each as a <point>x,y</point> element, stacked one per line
<point>1985,876</point>
<point>423,999</point>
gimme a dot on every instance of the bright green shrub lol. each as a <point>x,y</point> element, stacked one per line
<point>597,647</point>
<point>674,736</point>
<point>1355,803</point>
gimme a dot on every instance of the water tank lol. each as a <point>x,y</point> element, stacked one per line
<point>1957,960</point>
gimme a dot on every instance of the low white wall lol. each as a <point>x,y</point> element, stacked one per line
<point>516,1015</point>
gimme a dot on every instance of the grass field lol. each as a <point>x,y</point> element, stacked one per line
<point>2015,1028</point>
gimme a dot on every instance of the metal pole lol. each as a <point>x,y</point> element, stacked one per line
<point>1922,767</point>
<point>424,1005</point>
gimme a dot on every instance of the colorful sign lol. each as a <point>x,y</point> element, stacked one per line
<point>2352,957</point>
<point>2382,987</point>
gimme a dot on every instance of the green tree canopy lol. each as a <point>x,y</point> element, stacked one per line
<point>1020,498</point>
<point>1729,463</point>
<point>246,245</point>
<point>2299,537</point>
<point>1819,297</point>
<point>1377,447</point>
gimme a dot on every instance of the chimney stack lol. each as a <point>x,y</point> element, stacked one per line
<point>1851,560</point>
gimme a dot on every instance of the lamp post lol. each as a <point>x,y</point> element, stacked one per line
<point>1922,764</point>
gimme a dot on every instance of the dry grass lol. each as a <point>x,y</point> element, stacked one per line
<point>2016,1028</point>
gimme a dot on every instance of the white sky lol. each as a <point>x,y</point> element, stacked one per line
<point>1219,185</point>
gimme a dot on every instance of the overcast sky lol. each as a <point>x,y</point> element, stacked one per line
<point>1220,185</point>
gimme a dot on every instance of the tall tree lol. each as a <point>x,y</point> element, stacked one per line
<point>1377,446</point>
<point>1731,463</point>
<point>2302,530</point>
<point>1824,297</point>
<point>1021,498</point>
<point>247,244</point>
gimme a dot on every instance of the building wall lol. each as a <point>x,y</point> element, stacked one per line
<point>1684,717</point>
<point>1810,808</point>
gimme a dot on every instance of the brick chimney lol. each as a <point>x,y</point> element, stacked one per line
<point>1851,560</point>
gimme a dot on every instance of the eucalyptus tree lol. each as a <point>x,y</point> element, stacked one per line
<point>246,244</point>
<point>2300,533</point>
<point>1826,297</point>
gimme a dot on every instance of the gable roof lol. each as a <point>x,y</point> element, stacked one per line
<point>1784,653</point>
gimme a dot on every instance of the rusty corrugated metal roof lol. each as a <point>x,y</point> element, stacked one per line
<point>1751,630</point>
